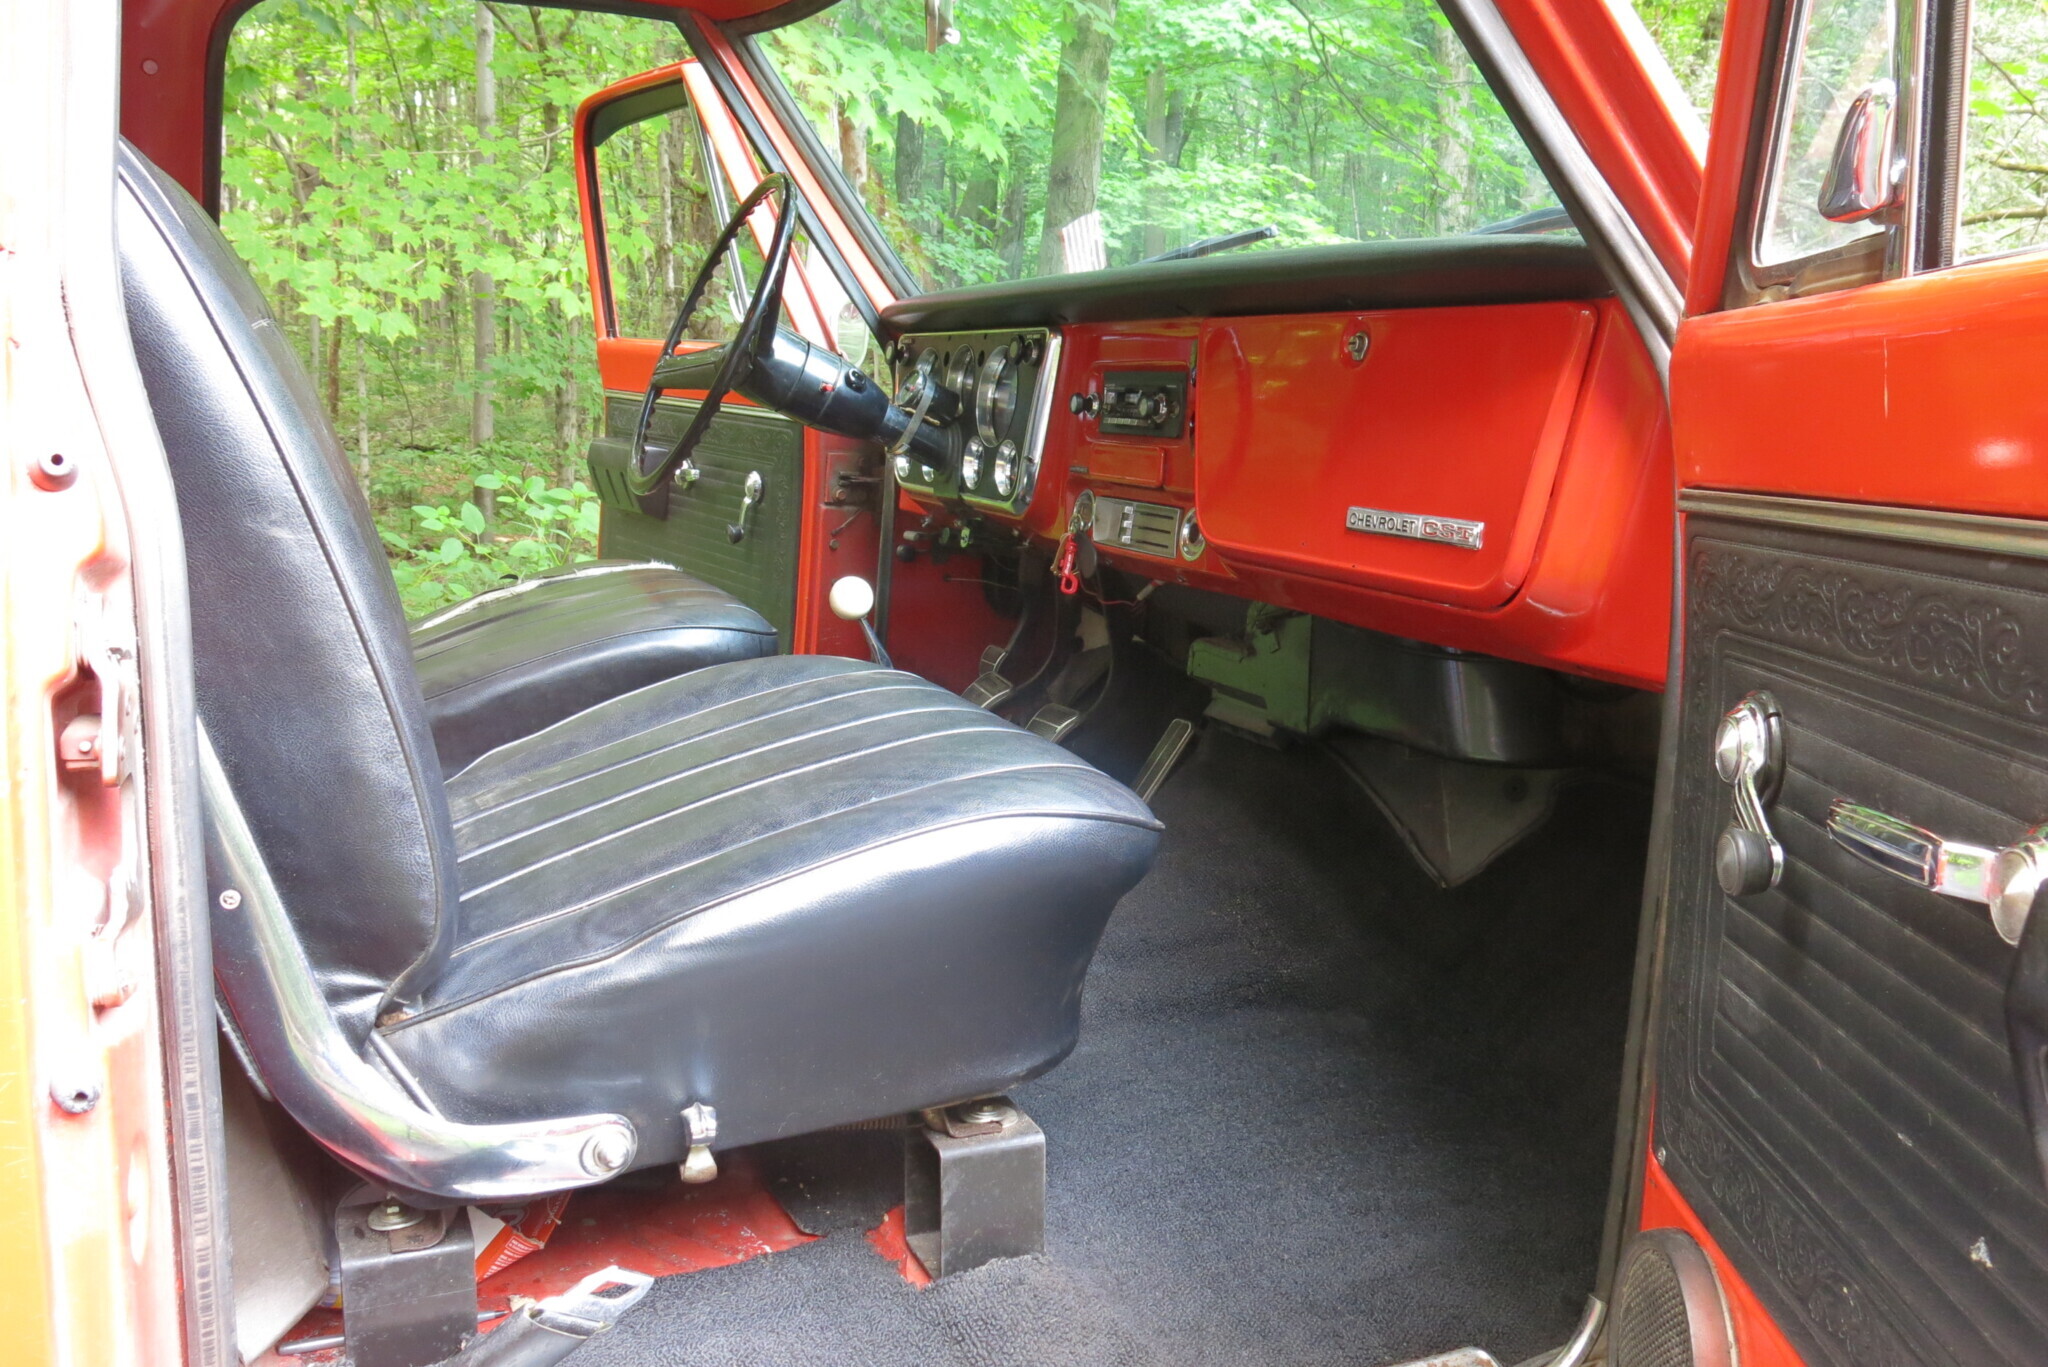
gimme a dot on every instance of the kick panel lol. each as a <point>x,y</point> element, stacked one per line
<point>1835,1088</point>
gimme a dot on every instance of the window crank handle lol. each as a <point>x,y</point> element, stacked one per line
<point>1749,756</point>
<point>750,499</point>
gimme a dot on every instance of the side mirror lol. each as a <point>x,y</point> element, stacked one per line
<point>1867,172</point>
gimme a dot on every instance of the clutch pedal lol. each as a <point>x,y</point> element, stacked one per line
<point>990,689</point>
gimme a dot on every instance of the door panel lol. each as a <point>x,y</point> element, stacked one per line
<point>760,568</point>
<point>1835,1089</point>
<point>1836,1096</point>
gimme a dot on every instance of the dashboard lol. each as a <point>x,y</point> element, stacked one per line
<point>1478,460</point>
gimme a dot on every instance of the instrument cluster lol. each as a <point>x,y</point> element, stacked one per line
<point>991,392</point>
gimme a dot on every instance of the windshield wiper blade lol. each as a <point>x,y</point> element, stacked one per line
<point>1550,218</point>
<point>1208,246</point>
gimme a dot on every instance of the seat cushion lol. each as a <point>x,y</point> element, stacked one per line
<point>805,890</point>
<point>507,663</point>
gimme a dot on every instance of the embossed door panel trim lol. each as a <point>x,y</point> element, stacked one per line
<point>1835,1087</point>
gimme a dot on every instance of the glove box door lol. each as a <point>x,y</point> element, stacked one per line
<point>1407,450</point>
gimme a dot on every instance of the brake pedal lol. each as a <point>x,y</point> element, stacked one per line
<point>1172,744</point>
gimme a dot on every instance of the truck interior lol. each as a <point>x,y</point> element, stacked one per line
<point>1092,813</point>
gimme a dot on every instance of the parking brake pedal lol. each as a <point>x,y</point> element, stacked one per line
<point>1173,743</point>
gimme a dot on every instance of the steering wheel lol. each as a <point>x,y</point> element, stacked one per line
<point>734,360</point>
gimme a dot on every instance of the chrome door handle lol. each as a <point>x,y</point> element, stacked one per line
<point>750,499</point>
<point>2005,880</point>
<point>1749,755</point>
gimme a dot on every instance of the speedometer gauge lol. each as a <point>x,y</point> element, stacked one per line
<point>995,398</point>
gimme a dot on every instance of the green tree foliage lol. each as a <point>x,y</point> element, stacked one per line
<point>357,187</point>
<point>1330,120</point>
<point>2005,172</point>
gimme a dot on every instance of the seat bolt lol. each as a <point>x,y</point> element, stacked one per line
<point>605,1153</point>
<point>394,1215</point>
<point>985,1112</point>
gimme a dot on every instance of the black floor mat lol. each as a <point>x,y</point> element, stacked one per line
<point>1322,1111</point>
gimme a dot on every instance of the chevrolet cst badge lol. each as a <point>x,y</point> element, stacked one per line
<point>1451,531</point>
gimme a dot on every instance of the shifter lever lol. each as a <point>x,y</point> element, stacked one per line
<point>852,599</point>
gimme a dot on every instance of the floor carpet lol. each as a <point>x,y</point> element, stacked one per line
<point>1322,1112</point>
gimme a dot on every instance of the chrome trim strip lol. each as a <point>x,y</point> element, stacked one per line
<point>1652,298</point>
<point>527,586</point>
<point>1033,453</point>
<point>330,1089</point>
<point>1923,526</point>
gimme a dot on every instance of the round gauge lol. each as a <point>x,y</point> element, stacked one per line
<point>970,464</point>
<point>995,398</point>
<point>914,381</point>
<point>902,468</point>
<point>960,374</point>
<point>1006,469</point>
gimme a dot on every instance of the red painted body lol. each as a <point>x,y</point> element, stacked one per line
<point>1925,391</point>
<point>1758,1341</point>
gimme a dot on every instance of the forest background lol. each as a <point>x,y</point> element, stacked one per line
<point>398,174</point>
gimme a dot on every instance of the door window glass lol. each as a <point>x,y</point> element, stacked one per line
<point>1688,35</point>
<point>2003,204</point>
<point>663,207</point>
<point>1043,136</point>
<point>1841,47</point>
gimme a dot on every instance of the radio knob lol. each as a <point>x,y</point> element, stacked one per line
<point>1083,405</point>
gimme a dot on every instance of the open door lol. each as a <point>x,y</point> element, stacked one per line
<point>1861,751</point>
<point>767,509</point>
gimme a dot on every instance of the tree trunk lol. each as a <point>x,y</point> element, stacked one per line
<point>483,291</point>
<point>853,152</point>
<point>333,373</point>
<point>1155,140</point>
<point>569,426</point>
<point>1453,158</point>
<point>362,416</point>
<point>1075,172</point>
<point>1012,248</point>
<point>909,161</point>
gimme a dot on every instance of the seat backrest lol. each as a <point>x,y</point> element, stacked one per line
<point>305,674</point>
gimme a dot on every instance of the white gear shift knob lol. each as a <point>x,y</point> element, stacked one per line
<point>852,598</point>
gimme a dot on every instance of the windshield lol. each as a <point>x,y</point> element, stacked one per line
<point>1002,141</point>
